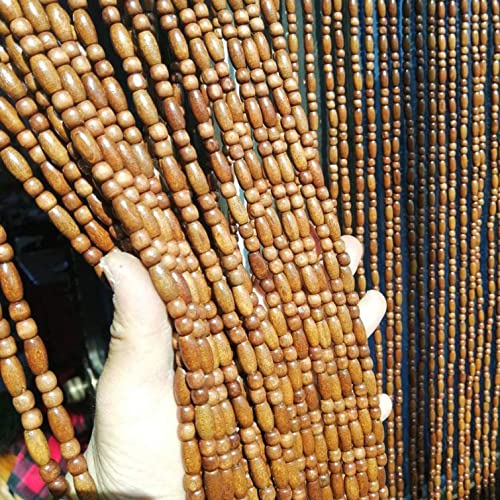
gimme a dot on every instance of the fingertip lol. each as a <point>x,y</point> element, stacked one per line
<point>385,406</point>
<point>355,250</point>
<point>135,298</point>
<point>372,308</point>
<point>116,264</point>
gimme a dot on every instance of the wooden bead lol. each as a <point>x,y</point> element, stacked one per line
<point>45,73</point>
<point>37,446</point>
<point>26,329</point>
<point>10,118</point>
<point>60,22</point>
<point>60,423</point>
<point>77,465</point>
<point>121,41</point>
<point>85,485</point>
<point>50,471</point>
<point>32,419</point>
<point>7,347</point>
<point>24,401</point>
<point>36,355</point>
<point>59,487</point>
<point>84,27</point>
<point>52,398</point>
<point>70,449</point>
<point>10,282</point>
<point>86,145</point>
<point>63,222</point>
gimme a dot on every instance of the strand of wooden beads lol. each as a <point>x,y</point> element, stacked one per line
<point>384,69</point>
<point>452,244</point>
<point>233,52</point>
<point>359,137</point>
<point>107,98</point>
<point>496,386</point>
<point>232,466</point>
<point>392,11</point>
<point>490,423</point>
<point>496,391</point>
<point>421,231</point>
<point>87,35</point>
<point>371,162</point>
<point>492,251</point>
<point>343,146</point>
<point>310,69</point>
<point>411,177</point>
<point>442,230</point>
<point>46,382</point>
<point>87,108</point>
<point>432,230</point>
<point>464,253</point>
<point>316,341</point>
<point>46,201</point>
<point>363,349</point>
<point>326,215</point>
<point>293,40</point>
<point>330,101</point>
<point>473,333</point>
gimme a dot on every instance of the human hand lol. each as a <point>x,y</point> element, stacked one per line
<point>134,451</point>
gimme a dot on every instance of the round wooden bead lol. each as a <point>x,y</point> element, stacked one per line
<point>26,329</point>
<point>59,487</point>
<point>32,419</point>
<point>19,311</point>
<point>70,449</point>
<point>53,398</point>
<point>77,465</point>
<point>24,402</point>
<point>7,347</point>
<point>46,382</point>
<point>50,471</point>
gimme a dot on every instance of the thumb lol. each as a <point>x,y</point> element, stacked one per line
<point>134,450</point>
<point>141,335</point>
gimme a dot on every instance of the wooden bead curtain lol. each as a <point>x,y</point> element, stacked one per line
<point>229,144</point>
